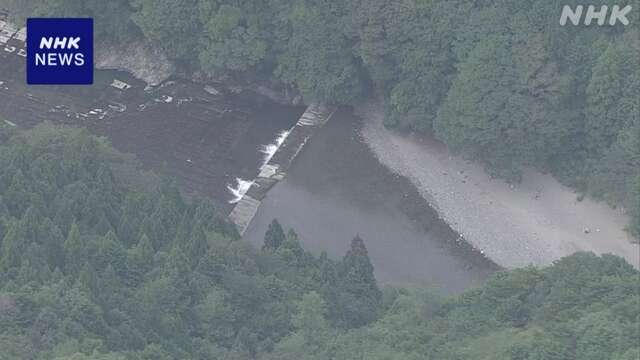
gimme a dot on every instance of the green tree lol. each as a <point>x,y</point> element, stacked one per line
<point>603,120</point>
<point>53,241</point>
<point>13,245</point>
<point>316,59</point>
<point>310,321</point>
<point>311,335</point>
<point>361,296</point>
<point>635,208</point>
<point>235,37</point>
<point>274,237</point>
<point>422,36</point>
<point>75,255</point>
<point>197,244</point>
<point>171,25</point>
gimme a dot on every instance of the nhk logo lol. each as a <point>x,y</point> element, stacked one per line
<point>617,14</point>
<point>56,58</point>
<point>59,51</point>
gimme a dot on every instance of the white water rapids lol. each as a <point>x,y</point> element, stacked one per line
<point>242,186</point>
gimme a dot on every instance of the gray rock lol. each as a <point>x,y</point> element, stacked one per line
<point>137,58</point>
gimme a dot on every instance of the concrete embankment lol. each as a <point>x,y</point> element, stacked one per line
<point>276,166</point>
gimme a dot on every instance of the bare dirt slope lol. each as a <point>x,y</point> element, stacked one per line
<point>535,222</point>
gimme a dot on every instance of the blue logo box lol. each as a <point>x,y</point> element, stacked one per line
<point>59,51</point>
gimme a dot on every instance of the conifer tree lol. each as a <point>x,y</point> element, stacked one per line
<point>139,260</point>
<point>52,239</point>
<point>74,251</point>
<point>110,252</point>
<point>603,96</point>
<point>13,245</point>
<point>362,296</point>
<point>274,237</point>
<point>196,246</point>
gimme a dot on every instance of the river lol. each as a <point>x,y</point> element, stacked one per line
<point>335,189</point>
<point>204,140</point>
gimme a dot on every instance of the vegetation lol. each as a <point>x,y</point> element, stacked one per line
<point>499,81</point>
<point>91,268</point>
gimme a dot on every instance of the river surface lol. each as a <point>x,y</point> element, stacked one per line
<point>204,140</point>
<point>335,189</point>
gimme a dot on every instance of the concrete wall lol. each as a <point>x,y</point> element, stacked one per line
<point>275,170</point>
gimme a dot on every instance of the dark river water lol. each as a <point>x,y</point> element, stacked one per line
<point>206,141</point>
<point>335,189</point>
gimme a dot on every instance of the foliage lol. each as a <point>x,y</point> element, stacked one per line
<point>317,58</point>
<point>235,37</point>
<point>582,307</point>
<point>112,18</point>
<point>90,268</point>
<point>274,236</point>
<point>498,81</point>
<point>170,25</point>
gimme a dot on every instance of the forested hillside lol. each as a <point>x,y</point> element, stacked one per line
<point>500,81</point>
<point>90,265</point>
<point>101,261</point>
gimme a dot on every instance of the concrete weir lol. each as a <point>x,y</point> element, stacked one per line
<point>275,169</point>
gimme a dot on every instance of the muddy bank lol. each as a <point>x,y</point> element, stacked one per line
<point>535,222</point>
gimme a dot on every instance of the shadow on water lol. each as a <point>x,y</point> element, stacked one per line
<point>336,189</point>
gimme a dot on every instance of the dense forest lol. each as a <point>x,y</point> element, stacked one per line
<point>99,260</point>
<point>499,81</point>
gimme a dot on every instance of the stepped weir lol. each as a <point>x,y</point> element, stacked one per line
<point>315,116</point>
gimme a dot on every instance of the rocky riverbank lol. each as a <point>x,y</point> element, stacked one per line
<point>150,65</point>
<point>137,58</point>
<point>535,222</point>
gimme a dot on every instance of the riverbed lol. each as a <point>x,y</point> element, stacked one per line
<point>207,139</point>
<point>535,222</point>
